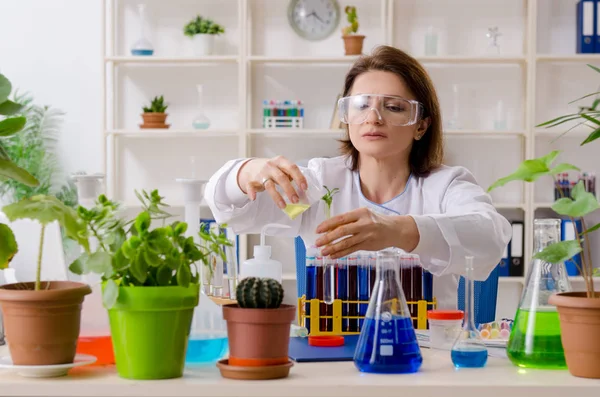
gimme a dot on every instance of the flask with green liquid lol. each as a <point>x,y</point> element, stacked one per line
<point>535,341</point>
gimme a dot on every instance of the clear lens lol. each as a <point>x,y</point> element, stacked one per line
<point>393,110</point>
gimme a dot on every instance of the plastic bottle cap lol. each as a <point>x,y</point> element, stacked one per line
<point>326,341</point>
<point>445,314</point>
<point>262,251</point>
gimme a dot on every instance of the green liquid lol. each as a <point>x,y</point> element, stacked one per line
<point>535,341</point>
<point>293,210</point>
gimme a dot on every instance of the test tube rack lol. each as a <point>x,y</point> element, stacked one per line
<point>283,114</point>
<point>338,318</point>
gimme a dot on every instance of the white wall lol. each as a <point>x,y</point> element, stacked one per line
<point>52,49</point>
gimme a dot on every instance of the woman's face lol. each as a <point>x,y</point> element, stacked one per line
<point>377,137</point>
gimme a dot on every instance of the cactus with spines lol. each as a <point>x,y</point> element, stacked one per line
<point>259,293</point>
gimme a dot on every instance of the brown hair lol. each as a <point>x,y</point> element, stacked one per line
<point>427,153</point>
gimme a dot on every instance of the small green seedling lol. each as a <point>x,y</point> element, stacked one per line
<point>352,19</point>
<point>328,198</point>
<point>156,106</point>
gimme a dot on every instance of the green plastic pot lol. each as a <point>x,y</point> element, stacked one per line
<point>150,327</point>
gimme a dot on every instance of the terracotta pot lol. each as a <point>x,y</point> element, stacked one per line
<point>154,120</point>
<point>258,337</point>
<point>579,330</point>
<point>42,327</point>
<point>353,44</point>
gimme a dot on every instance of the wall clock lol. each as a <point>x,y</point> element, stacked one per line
<point>314,19</point>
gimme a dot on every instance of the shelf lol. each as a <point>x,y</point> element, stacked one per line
<point>553,133</point>
<point>299,132</point>
<point>349,59</point>
<point>568,58</point>
<point>170,133</point>
<point>466,59</point>
<point>156,60</point>
<point>542,205</point>
<point>493,133</point>
<point>509,206</point>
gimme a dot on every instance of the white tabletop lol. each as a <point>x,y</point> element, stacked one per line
<point>437,377</point>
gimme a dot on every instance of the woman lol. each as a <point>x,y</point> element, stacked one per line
<point>393,189</point>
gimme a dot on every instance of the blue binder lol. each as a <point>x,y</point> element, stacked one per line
<point>586,26</point>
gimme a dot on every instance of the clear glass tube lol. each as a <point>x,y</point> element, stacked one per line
<point>329,281</point>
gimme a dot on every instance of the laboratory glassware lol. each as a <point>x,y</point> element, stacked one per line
<point>468,350</point>
<point>201,121</point>
<point>387,341</point>
<point>535,338</point>
<point>142,46</point>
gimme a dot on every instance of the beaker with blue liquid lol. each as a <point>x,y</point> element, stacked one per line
<point>468,350</point>
<point>387,341</point>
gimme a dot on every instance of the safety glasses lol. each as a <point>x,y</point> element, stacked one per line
<point>393,110</point>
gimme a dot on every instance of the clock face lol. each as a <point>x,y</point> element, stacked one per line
<point>314,19</point>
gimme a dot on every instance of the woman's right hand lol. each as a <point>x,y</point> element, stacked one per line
<point>258,175</point>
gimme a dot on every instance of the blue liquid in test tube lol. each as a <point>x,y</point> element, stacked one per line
<point>363,288</point>
<point>342,288</point>
<point>311,281</point>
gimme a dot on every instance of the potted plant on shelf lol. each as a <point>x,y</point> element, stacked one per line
<point>353,43</point>
<point>42,319</point>
<point>258,331</point>
<point>154,115</point>
<point>203,31</point>
<point>579,312</point>
<point>151,283</point>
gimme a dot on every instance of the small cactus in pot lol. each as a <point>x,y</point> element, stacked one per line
<point>258,330</point>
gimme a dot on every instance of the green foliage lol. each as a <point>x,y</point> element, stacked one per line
<point>136,254</point>
<point>580,204</point>
<point>201,25</point>
<point>34,149</point>
<point>328,198</point>
<point>9,126</point>
<point>352,18</point>
<point>259,293</point>
<point>157,105</point>
<point>9,246</point>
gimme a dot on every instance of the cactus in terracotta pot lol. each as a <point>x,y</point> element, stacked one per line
<point>353,42</point>
<point>259,293</point>
<point>258,330</point>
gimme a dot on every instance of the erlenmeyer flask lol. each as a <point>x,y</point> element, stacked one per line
<point>201,121</point>
<point>142,46</point>
<point>468,350</point>
<point>387,341</point>
<point>534,341</point>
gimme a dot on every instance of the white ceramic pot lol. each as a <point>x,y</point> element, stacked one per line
<point>203,44</point>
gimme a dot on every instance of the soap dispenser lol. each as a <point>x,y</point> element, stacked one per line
<point>262,265</point>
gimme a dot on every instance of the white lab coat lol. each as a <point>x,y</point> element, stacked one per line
<point>454,215</point>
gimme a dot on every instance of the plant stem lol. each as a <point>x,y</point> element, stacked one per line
<point>95,232</point>
<point>38,273</point>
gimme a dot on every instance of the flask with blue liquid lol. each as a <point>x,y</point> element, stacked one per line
<point>387,341</point>
<point>468,350</point>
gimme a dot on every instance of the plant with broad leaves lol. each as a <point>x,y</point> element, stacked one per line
<point>45,210</point>
<point>202,25</point>
<point>135,254</point>
<point>580,204</point>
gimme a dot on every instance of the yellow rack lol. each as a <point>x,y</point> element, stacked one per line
<point>314,317</point>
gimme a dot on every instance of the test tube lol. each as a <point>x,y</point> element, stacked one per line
<point>372,264</point>
<point>311,280</point>
<point>328,280</point>
<point>353,294</point>
<point>363,288</point>
<point>319,291</point>
<point>342,288</point>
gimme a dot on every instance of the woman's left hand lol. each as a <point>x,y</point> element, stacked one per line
<point>366,230</point>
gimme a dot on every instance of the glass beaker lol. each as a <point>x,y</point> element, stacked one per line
<point>387,341</point>
<point>201,121</point>
<point>142,46</point>
<point>535,340</point>
<point>468,350</point>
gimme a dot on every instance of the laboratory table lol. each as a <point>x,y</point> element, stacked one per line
<point>437,378</point>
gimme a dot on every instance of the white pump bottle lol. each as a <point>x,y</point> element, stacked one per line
<point>262,265</point>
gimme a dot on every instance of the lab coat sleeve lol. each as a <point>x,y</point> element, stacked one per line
<point>467,225</point>
<point>230,205</point>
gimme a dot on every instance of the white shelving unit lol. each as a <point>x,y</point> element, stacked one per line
<point>264,59</point>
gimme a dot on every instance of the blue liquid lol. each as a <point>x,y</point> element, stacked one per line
<point>469,358</point>
<point>142,52</point>
<point>206,350</point>
<point>311,292</point>
<point>363,292</point>
<point>342,292</point>
<point>399,353</point>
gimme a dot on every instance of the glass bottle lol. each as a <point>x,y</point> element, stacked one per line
<point>387,341</point>
<point>201,122</point>
<point>535,341</point>
<point>142,46</point>
<point>468,350</point>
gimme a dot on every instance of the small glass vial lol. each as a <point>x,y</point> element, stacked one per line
<point>201,122</point>
<point>444,327</point>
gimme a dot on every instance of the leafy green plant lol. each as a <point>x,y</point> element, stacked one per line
<point>9,126</point>
<point>328,198</point>
<point>135,254</point>
<point>580,204</point>
<point>201,25</point>
<point>157,105</point>
<point>352,18</point>
<point>45,210</point>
